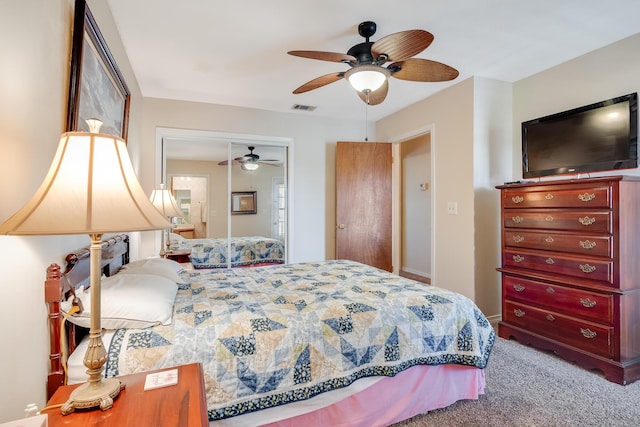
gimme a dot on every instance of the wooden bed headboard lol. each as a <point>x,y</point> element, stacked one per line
<point>58,285</point>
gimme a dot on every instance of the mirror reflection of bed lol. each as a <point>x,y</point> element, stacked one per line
<point>216,234</point>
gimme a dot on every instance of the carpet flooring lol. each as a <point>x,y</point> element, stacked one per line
<point>530,388</point>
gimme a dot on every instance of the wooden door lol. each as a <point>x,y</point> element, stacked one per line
<point>364,203</point>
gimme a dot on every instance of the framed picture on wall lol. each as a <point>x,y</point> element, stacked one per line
<point>96,87</point>
<point>243,202</point>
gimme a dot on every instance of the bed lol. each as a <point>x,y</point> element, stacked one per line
<point>321,343</point>
<point>245,251</point>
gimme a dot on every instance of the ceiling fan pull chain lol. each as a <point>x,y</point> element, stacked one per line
<point>366,120</point>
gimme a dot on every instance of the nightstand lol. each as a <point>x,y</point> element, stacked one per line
<point>183,404</point>
<point>179,256</point>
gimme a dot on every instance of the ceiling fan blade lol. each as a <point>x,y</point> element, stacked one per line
<point>423,70</point>
<point>319,82</point>
<point>377,96</point>
<point>268,163</point>
<point>402,45</point>
<point>226,162</point>
<point>323,56</point>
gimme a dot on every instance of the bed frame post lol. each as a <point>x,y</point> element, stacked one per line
<point>52,297</point>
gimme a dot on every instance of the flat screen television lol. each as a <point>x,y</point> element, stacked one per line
<point>597,137</point>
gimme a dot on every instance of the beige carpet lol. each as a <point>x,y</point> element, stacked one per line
<point>527,388</point>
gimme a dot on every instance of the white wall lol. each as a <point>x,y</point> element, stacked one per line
<point>35,46</point>
<point>603,74</point>
<point>491,166</point>
<point>416,205</point>
<point>450,115</point>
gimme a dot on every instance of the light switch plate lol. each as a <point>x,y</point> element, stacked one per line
<point>452,208</point>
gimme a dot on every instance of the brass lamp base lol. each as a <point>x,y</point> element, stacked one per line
<point>93,394</point>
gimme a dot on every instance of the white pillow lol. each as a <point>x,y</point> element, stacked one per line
<point>129,301</point>
<point>158,266</point>
<point>175,238</point>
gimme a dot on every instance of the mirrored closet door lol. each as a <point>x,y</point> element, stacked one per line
<point>235,191</point>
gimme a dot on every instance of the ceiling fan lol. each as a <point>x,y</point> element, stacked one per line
<point>367,74</point>
<point>250,161</point>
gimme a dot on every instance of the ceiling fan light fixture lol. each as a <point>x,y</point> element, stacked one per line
<point>367,78</point>
<point>250,166</point>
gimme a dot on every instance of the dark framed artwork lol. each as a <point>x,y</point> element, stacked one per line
<point>96,87</point>
<point>244,202</point>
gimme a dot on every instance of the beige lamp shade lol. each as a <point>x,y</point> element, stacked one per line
<point>91,187</point>
<point>164,202</point>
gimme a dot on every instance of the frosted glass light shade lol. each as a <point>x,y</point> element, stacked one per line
<point>367,78</point>
<point>91,187</point>
<point>250,166</point>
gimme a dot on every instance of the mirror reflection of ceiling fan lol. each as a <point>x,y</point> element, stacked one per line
<point>367,74</point>
<point>250,161</point>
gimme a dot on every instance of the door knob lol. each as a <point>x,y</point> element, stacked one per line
<point>340,227</point>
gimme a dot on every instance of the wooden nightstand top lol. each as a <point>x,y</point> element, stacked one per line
<point>183,404</point>
<point>181,256</point>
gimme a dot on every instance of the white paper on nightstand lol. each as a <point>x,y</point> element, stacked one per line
<point>161,379</point>
<point>36,421</point>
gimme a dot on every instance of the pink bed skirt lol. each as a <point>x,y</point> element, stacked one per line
<point>393,399</point>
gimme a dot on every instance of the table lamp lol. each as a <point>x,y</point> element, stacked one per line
<point>166,204</point>
<point>91,188</point>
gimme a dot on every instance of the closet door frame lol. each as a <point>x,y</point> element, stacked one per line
<point>186,135</point>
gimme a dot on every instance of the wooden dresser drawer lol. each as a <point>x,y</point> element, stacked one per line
<point>571,270</point>
<point>579,220</point>
<point>596,197</point>
<point>555,264</point>
<point>560,242</point>
<point>575,302</point>
<point>588,336</point>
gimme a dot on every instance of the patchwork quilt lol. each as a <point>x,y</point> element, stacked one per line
<point>212,253</point>
<point>268,336</point>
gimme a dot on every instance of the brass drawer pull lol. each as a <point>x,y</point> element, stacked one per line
<point>550,317</point>
<point>518,312</point>
<point>588,333</point>
<point>549,239</point>
<point>517,219</point>
<point>586,220</point>
<point>586,302</point>
<point>518,258</point>
<point>550,261</point>
<point>548,196</point>
<point>587,244</point>
<point>586,268</point>
<point>518,239</point>
<point>586,197</point>
<point>518,287</point>
<point>550,290</point>
<point>548,218</point>
<point>517,199</point>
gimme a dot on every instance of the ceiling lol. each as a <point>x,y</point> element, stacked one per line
<point>234,52</point>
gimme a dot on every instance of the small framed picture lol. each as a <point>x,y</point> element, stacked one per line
<point>243,202</point>
<point>96,87</point>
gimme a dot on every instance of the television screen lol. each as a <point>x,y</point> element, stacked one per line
<point>596,137</point>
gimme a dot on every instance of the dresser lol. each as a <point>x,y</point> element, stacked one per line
<point>571,271</point>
